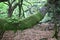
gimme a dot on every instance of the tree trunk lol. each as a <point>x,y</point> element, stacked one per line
<point>10,11</point>
<point>1,34</point>
<point>20,6</point>
<point>53,7</point>
<point>11,8</point>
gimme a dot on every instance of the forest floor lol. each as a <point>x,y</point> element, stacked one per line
<point>38,32</point>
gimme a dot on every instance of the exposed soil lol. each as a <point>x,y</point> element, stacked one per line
<point>38,32</point>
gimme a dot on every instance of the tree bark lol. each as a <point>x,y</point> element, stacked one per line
<point>20,7</point>
<point>11,8</point>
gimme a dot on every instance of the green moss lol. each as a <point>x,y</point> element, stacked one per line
<point>22,24</point>
<point>30,21</point>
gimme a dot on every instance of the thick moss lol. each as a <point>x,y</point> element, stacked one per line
<point>30,21</point>
<point>22,24</point>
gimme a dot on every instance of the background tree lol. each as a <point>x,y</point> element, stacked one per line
<point>54,7</point>
<point>20,2</point>
<point>11,7</point>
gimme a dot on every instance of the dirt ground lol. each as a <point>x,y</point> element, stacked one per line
<point>38,32</point>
